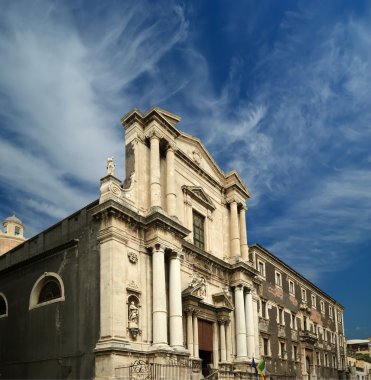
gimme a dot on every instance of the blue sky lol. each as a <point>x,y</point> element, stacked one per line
<point>279,90</point>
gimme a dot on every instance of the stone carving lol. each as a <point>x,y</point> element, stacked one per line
<point>199,283</point>
<point>133,257</point>
<point>140,370</point>
<point>196,157</point>
<point>133,287</point>
<point>110,166</point>
<point>115,189</point>
<point>133,316</point>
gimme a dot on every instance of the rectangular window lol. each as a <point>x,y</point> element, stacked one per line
<point>198,230</point>
<point>322,304</point>
<point>293,321</point>
<point>318,359</point>
<point>266,346</point>
<point>282,350</point>
<point>295,353</point>
<point>303,295</point>
<point>326,360</point>
<point>339,318</point>
<point>330,311</point>
<point>17,230</point>
<point>278,279</point>
<point>280,316</point>
<point>261,268</point>
<point>314,301</point>
<point>264,309</point>
<point>291,287</point>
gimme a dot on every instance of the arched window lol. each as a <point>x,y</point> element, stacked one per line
<point>47,289</point>
<point>3,306</point>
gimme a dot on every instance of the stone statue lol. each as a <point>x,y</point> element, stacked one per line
<point>110,166</point>
<point>133,313</point>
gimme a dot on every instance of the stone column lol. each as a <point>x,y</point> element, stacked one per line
<point>159,316</point>
<point>195,335</point>
<point>240,323</point>
<point>175,302</point>
<point>228,340</point>
<point>190,332</point>
<point>215,345</point>
<point>235,234</point>
<point>170,181</point>
<point>223,351</point>
<point>243,235</point>
<point>250,331</point>
<point>155,171</point>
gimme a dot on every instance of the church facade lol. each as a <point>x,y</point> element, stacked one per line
<point>156,280</point>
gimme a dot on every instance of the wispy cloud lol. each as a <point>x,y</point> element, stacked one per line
<point>294,118</point>
<point>62,91</point>
<point>301,139</point>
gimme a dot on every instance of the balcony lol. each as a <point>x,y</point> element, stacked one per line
<point>308,337</point>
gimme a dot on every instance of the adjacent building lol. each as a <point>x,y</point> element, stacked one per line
<point>156,280</point>
<point>12,235</point>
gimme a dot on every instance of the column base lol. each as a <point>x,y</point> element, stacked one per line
<point>242,359</point>
<point>160,347</point>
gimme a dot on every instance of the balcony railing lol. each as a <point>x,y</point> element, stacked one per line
<point>308,336</point>
<point>141,370</point>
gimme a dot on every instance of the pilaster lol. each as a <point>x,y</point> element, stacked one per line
<point>170,180</point>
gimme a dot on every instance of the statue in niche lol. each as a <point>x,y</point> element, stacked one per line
<point>133,314</point>
<point>110,166</point>
<point>133,317</point>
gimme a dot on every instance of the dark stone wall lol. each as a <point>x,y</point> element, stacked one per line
<point>283,299</point>
<point>56,340</point>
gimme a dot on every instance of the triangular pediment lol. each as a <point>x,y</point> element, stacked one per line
<point>223,301</point>
<point>198,193</point>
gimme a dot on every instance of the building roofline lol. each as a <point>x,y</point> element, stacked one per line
<point>310,283</point>
<point>27,241</point>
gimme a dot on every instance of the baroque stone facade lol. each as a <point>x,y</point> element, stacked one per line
<point>170,286</point>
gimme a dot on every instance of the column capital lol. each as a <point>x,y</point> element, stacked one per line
<point>223,320</point>
<point>188,202</point>
<point>156,247</point>
<point>238,285</point>
<point>231,199</point>
<point>154,133</point>
<point>171,146</point>
<point>243,207</point>
<point>249,289</point>
<point>189,309</point>
<point>175,255</point>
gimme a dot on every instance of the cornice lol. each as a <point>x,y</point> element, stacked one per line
<point>154,218</point>
<point>260,250</point>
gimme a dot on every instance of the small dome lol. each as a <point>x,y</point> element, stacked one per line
<point>14,219</point>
